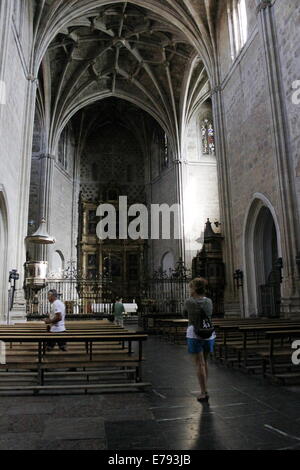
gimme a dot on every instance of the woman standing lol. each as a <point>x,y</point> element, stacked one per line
<point>197,308</point>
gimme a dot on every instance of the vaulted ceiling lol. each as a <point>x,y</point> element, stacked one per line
<point>147,56</point>
<point>114,112</point>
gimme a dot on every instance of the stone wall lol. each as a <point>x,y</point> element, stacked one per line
<point>200,187</point>
<point>14,165</point>
<point>164,191</point>
<point>61,216</point>
<point>287,21</point>
<point>248,110</point>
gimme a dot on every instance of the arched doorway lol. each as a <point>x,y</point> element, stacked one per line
<point>3,257</point>
<point>267,264</point>
<point>167,262</point>
<point>263,261</point>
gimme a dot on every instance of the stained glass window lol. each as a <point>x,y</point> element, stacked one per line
<point>63,149</point>
<point>165,152</point>
<point>208,137</point>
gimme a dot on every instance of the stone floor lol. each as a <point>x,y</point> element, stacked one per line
<point>243,412</point>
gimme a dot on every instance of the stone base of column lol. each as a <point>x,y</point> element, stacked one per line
<point>18,312</point>
<point>290,308</point>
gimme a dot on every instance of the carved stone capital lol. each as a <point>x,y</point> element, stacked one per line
<point>216,89</point>
<point>34,80</point>
<point>48,156</point>
<point>263,5</point>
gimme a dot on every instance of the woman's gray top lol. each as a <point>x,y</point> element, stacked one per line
<point>193,308</point>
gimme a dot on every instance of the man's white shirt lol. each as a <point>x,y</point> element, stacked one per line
<point>58,307</point>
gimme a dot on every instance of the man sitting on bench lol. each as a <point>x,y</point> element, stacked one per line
<point>56,320</point>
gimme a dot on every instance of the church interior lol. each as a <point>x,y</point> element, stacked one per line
<point>184,110</point>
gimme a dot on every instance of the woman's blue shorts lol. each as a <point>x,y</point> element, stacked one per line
<point>196,346</point>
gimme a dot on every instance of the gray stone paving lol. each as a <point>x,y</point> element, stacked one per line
<point>243,413</point>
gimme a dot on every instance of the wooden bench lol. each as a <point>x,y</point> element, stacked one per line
<point>278,352</point>
<point>88,350</point>
<point>150,321</point>
<point>239,342</point>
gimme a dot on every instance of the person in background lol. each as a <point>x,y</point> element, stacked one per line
<point>56,320</point>
<point>195,307</point>
<point>119,311</point>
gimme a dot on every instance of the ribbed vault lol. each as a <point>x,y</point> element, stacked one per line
<point>156,55</point>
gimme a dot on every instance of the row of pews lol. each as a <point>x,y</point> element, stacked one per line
<point>262,346</point>
<point>256,345</point>
<point>99,356</point>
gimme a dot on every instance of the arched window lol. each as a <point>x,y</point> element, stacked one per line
<point>162,149</point>
<point>165,152</point>
<point>3,254</point>
<point>207,137</point>
<point>238,25</point>
<point>63,149</point>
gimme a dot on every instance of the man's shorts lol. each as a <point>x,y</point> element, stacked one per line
<point>196,346</point>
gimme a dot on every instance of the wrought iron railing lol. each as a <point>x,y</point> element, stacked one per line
<point>167,291</point>
<point>81,295</point>
<point>164,292</point>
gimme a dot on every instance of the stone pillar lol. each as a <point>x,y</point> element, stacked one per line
<point>23,182</point>
<point>231,300</point>
<point>19,309</point>
<point>46,195</point>
<point>75,206</point>
<point>5,28</point>
<point>179,197</point>
<point>288,219</point>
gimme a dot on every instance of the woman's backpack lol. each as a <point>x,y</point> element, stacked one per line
<point>204,328</point>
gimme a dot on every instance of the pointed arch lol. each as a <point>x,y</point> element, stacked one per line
<point>4,237</point>
<point>261,222</point>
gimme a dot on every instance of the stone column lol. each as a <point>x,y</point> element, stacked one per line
<point>47,168</point>
<point>5,28</point>
<point>179,197</point>
<point>231,300</point>
<point>19,309</point>
<point>287,191</point>
<point>75,207</point>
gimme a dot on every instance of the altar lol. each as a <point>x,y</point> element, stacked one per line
<point>130,308</point>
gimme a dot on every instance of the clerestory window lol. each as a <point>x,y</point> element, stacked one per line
<point>238,25</point>
<point>208,137</point>
<point>165,152</point>
<point>63,149</point>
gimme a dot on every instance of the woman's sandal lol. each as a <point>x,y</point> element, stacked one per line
<point>203,398</point>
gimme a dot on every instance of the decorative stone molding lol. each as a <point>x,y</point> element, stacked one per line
<point>32,78</point>
<point>216,89</point>
<point>47,155</point>
<point>263,5</point>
